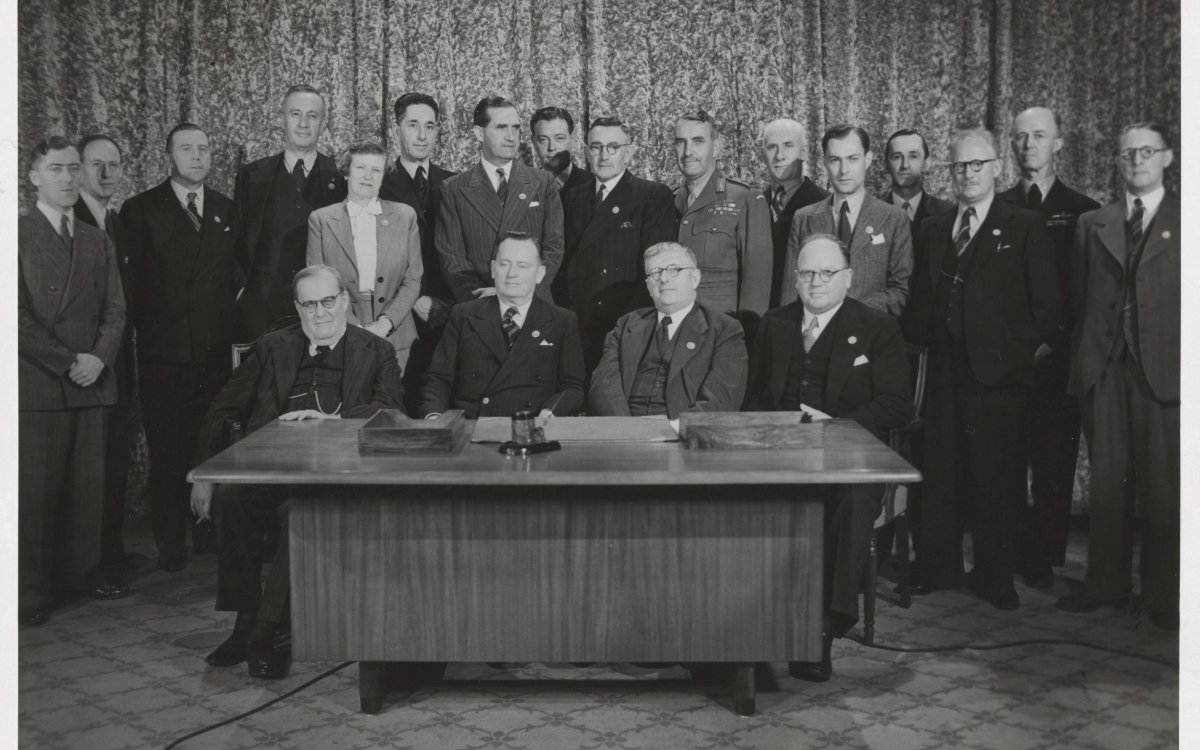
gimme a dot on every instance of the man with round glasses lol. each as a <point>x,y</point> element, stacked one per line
<point>834,354</point>
<point>986,301</point>
<point>679,355</point>
<point>319,368</point>
<point>608,223</point>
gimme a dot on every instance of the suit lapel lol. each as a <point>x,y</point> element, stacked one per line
<point>842,328</point>
<point>602,222</point>
<point>485,320</point>
<point>479,193</point>
<point>938,242</point>
<point>1167,216</point>
<point>991,236</point>
<point>822,220</point>
<point>1112,231</point>
<point>781,355</point>
<point>340,224</point>
<point>870,218</point>
<point>536,320</point>
<point>286,360</point>
<point>691,330</point>
<point>634,341</point>
<point>387,241</point>
<point>260,184</point>
<point>520,186</point>
<point>320,189</point>
<point>53,248</point>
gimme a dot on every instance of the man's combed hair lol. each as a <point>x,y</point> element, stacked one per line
<point>700,115</point>
<point>520,237</point>
<point>53,143</point>
<point>482,116</point>
<point>549,114</point>
<point>662,247</point>
<point>966,134</point>
<point>315,270</point>
<point>413,97</point>
<point>90,138</point>
<point>841,131</point>
<point>611,122</point>
<point>181,127</point>
<point>823,236</point>
<point>1154,125</point>
<point>887,149</point>
<point>301,88</point>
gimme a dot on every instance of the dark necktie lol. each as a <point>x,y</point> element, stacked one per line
<point>509,325</point>
<point>599,199</point>
<point>422,184</point>
<point>907,207</point>
<point>322,352</point>
<point>298,175</point>
<point>1034,200</point>
<point>64,231</point>
<point>193,212</point>
<point>502,186</point>
<point>779,202</point>
<point>810,334</point>
<point>662,338</point>
<point>1136,231</point>
<point>844,224</point>
<point>110,225</point>
<point>964,232</point>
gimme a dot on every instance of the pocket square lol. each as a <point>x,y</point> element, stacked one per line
<point>627,225</point>
<point>861,360</point>
<point>545,343</point>
<point>877,239</point>
<point>534,204</point>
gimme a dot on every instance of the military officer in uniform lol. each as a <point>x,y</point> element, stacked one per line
<point>726,223</point>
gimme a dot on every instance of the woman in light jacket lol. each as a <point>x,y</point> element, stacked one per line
<point>376,248</point>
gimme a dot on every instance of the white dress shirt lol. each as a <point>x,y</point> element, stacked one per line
<point>981,212</point>
<point>366,253</point>
<point>608,184</point>
<point>54,216</point>
<point>490,169</point>
<point>98,210</point>
<point>913,203</point>
<point>522,310</point>
<point>676,318</point>
<point>308,160</point>
<point>182,194</point>
<point>855,200</point>
<point>822,319</point>
<point>411,167</point>
<point>1151,201</point>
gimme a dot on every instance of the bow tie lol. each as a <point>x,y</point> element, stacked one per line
<point>355,210</point>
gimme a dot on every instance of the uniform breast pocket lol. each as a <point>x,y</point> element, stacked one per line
<point>715,243</point>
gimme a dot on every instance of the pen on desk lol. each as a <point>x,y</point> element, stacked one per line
<point>551,407</point>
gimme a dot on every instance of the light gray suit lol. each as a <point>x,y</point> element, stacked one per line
<point>398,266</point>
<point>881,252</point>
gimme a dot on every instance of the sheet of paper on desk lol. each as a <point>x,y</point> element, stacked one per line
<point>583,430</point>
<point>816,414</point>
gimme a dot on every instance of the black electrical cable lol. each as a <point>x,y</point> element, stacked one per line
<point>1012,644</point>
<point>255,710</point>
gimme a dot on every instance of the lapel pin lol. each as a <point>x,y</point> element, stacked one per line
<point>521,196</point>
<point>616,210</point>
<point>691,345</point>
<point>536,334</point>
<point>870,230</point>
<point>383,222</point>
<point>1166,234</point>
<point>852,340</point>
<point>331,186</point>
<point>995,232</point>
<point>217,219</point>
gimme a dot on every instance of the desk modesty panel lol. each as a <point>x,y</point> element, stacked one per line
<point>326,452</point>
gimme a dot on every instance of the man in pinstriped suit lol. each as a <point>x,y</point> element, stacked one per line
<point>498,195</point>
<point>878,235</point>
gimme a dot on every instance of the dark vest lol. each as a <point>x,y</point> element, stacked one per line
<point>807,371</point>
<point>947,319</point>
<point>318,383</point>
<point>285,230</point>
<point>648,395</point>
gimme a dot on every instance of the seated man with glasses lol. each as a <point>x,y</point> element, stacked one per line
<point>608,222</point>
<point>836,355</point>
<point>677,356</point>
<point>319,368</point>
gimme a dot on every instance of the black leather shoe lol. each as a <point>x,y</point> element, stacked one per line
<point>31,617</point>
<point>815,671</point>
<point>271,659</point>
<point>1083,602</point>
<point>112,591</point>
<point>232,651</point>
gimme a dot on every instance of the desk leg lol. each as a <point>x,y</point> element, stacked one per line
<point>372,685</point>
<point>743,689</point>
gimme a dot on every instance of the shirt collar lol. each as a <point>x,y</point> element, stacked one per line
<point>411,167</point>
<point>291,157</point>
<point>981,212</point>
<point>1044,184</point>
<point>312,345</point>
<point>181,194</point>
<point>374,208</point>
<point>677,316</point>
<point>1151,201</point>
<point>699,185</point>
<point>822,318</point>
<point>609,184</point>
<point>915,201</point>
<point>54,216</point>
<point>790,186</point>
<point>522,310</point>
<point>855,200</point>
<point>99,210</point>
<point>491,168</point>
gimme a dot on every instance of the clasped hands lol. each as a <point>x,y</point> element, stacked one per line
<point>86,369</point>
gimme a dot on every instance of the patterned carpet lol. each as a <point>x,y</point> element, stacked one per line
<point>129,674</point>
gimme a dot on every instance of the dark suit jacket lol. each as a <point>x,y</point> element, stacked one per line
<point>398,266</point>
<point>1010,298</point>
<point>781,226</point>
<point>123,367</point>
<point>187,282</point>
<point>602,276</point>
<point>470,217</point>
<point>880,252</point>
<point>474,370</point>
<point>1098,272</point>
<point>930,205</point>
<point>579,176</point>
<point>67,304</point>
<point>269,278</point>
<point>868,378</point>
<point>258,391</point>
<point>707,372</point>
<point>400,188</point>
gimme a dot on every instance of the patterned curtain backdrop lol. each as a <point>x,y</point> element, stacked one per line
<point>134,68</point>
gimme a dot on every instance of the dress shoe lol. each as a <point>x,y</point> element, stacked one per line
<point>270,659</point>
<point>31,617</point>
<point>232,651</point>
<point>815,671</point>
<point>1083,602</point>
<point>112,591</point>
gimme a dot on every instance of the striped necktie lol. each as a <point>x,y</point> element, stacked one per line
<point>810,334</point>
<point>964,232</point>
<point>502,186</point>
<point>1136,232</point>
<point>64,231</point>
<point>509,325</point>
<point>193,212</point>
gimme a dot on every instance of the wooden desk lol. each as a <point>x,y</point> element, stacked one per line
<point>599,552</point>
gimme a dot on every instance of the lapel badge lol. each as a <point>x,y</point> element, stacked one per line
<point>383,222</point>
<point>616,209</point>
<point>217,219</point>
<point>995,232</point>
<point>521,196</point>
<point>691,345</point>
<point>1166,234</point>
<point>330,186</point>
<point>870,230</point>
<point>852,340</point>
<point>536,334</point>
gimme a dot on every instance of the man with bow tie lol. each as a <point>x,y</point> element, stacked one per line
<point>1125,288</point>
<point>1053,415</point>
<point>496,196</point>
<point>511,351</point>
<point>180,240</point>
<point>836,355</point>
<point>320,368</point>
<point>986,302</point>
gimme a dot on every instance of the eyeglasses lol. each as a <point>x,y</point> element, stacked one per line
<point>1146,152</point>
<point>609,149</point>
<point>310,307</point>
<point>670,271</point>
<point>826,276</point>
<point>960,167</point>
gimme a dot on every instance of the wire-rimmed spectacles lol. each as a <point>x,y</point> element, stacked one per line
<point>825,276</point>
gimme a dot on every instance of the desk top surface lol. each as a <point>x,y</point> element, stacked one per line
<point>326,452</point>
